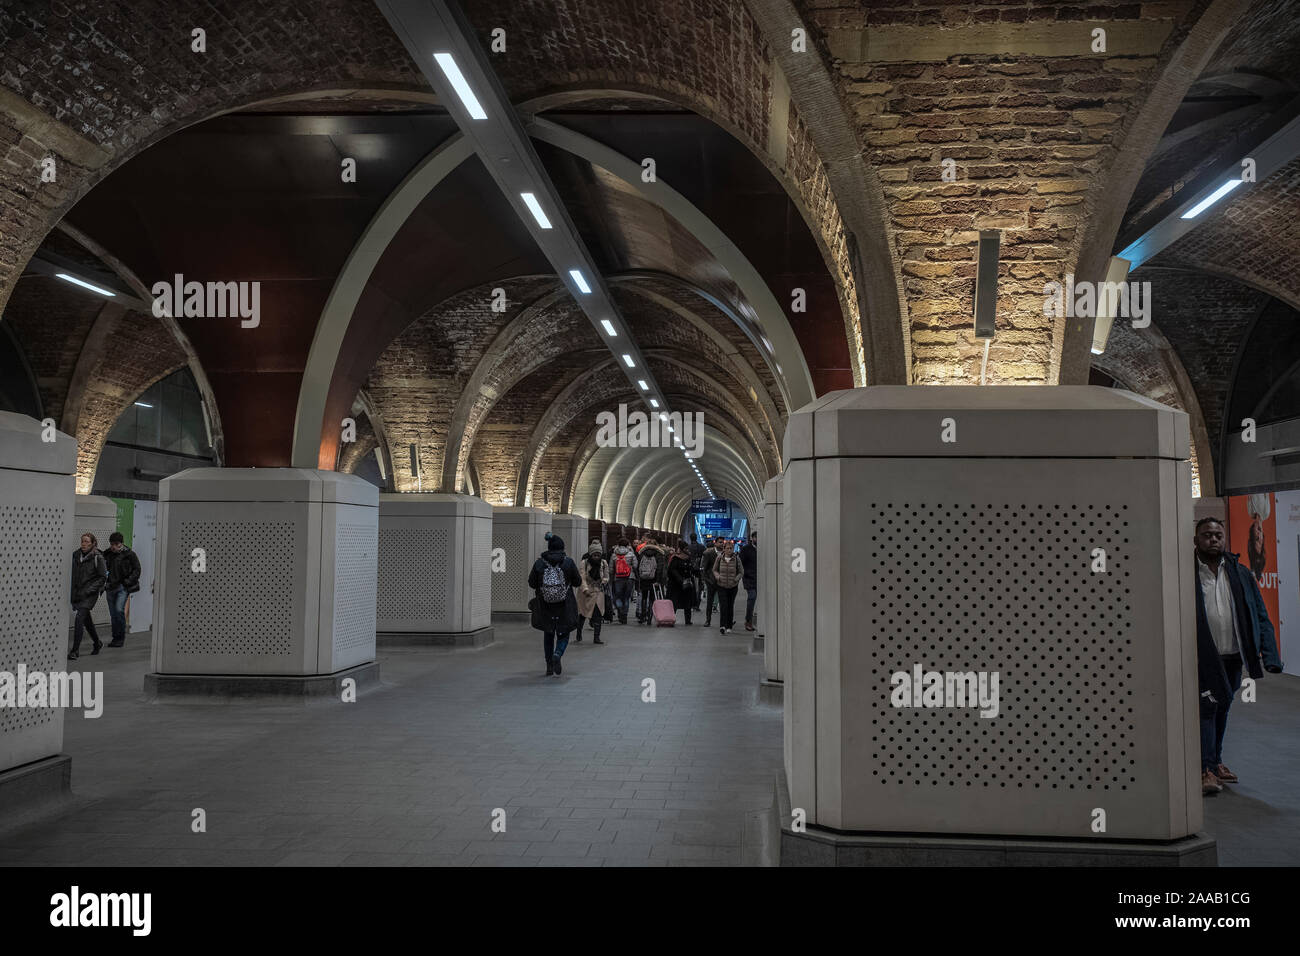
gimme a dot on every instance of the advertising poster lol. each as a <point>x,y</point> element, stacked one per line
<point>1286,515</point>
<point>1252,534</point>
<point>145,525</point>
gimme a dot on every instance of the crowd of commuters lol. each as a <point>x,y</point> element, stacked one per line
<point>597,589</point>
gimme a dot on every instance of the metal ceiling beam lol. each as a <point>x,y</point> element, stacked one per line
<point>444,47</point>
<point>1271,147</point>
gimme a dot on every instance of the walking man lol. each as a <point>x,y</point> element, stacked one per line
<point>555,609</point>
<point>123,581</point>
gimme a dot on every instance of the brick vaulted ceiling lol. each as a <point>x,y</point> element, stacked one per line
<point>826,177</point>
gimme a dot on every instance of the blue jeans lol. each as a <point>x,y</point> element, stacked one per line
<point>1214,717</point>
<point>622,597</point>
<point>553,644</point>
<point>116,613</point>
<point>749,604</point>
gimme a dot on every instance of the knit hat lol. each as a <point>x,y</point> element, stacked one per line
<point>555,543</point>
<point>595,548</point>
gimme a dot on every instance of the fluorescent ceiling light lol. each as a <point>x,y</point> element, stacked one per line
<point>654,403</point>
<point>1211,199</point>
<point>536,209</point>
<point>459,84</point>
<point>663,416</point>
<point>644,386</point>
<point>580,281</point>
<point>143,405</point>
<point>1096,351</point>
<point>628,359</point>
<point>85,285</point>
<point>609,327</point>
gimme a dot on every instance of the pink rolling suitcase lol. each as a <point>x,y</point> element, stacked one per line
<point>663,610</point>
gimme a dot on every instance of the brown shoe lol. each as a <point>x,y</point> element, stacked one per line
<point>1210,783</point>
<point>1225,775</point>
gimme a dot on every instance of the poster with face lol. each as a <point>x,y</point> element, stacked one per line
<point>1282,571</point>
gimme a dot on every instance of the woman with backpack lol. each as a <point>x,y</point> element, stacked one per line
<point>726,573</point>
<point>681,580</point>
<point>89,575</point>
<point>622,576</point>
<point>555,610</point>
<point>594,570</point>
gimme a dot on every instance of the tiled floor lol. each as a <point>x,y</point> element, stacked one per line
<point>588,774</point>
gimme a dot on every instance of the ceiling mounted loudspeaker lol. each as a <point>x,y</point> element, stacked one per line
<point>986,282</point>
<point>1116,272</point>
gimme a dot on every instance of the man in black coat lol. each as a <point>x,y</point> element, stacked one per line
<point>123,580</point>
<point>697,564</point>
<point>555,609</point>
<point>1232,631</point>
<point>749,576</point>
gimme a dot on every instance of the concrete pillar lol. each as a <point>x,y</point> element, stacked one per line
<point>520,533</point>
<point>435,570</point>
<point>596,532</point>
<point>97,515</point>
<point>773,586</point>
<point>959,530</point>
<point>573,530</point>
<point>266,582</point>
<point>37,503</point>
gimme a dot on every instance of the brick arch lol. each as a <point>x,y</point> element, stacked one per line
<point>1184,59</point>
<point>153,86</point>
<point>709,56</point>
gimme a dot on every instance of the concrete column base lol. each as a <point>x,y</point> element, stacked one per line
<point>821,847</point>
<point>231,687</point>
<point>481,637</point>
<point>34,788</point>
<point>758,645</point>
<point>771,691</point>
<point>512,617</point>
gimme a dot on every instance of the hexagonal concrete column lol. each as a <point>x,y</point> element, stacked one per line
<point>995,634</point>
<point>435,568</point>
<point>37,502</point>
<point>574,531</point>
<point>520,533</point>
<point>266,582</point>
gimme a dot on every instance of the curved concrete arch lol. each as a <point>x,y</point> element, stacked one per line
<point>655,506</point>
<point>741,368</point>
<point>671,466</point>
<point>541,439</point>
<point>1108,198</point>
<point>655,455</point>
<point>794,378</point>
<point>751,430</point>
<point>610,468</point>
<point>588,450</point>
<point>124,272</point>
<point>885,343</point>
<point>461,446</point>
<point>672,490</point>
<point>327,342</point>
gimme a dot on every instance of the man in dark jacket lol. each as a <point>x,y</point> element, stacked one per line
<point>749,576</point>
<point>1232,630</point>
<point>555,609</point>
<point>123,580</point>
<point>88,576</point>
<point>697,565</point>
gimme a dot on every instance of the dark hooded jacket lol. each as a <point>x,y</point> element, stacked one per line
<point>123,569</point>
<point>1255,636</point>
<point>554,617</point>
<point>88,576</point>
<point>749,566</point>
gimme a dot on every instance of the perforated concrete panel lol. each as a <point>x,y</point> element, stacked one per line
<point>982,556</point>
<point>98,516</point>
<point>265,571</point>
<point>574,530</point>
<point>434,563</point>
<point>37,492</point>
<point>521,534</point>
